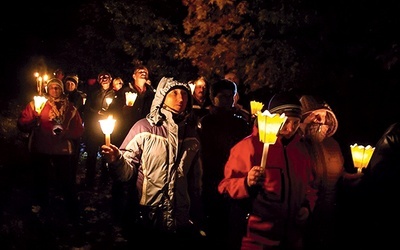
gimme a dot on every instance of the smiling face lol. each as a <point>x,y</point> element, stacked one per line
<point>70,86</point>
<point>105,81</point>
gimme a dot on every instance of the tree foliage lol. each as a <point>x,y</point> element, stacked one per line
<point>118,35</point>
<point>256,38</point>
<point>278,44</point>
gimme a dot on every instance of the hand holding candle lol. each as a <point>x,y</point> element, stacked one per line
<point>107,126</point>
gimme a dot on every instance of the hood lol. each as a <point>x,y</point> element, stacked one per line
<point>157,113</point>
<point>311,104</point>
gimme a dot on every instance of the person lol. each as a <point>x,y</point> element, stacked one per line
<point>51,134</point>
<point>127,116</point>
<point>59,74</point>
<point>96,108</point>
<point>282,195</point>
<point>161,153</point>
<point>375,209</point>
<point>318,125</point>
<point>75,96</point>
<point>219,131</point>
<point>242,102</point>
<point>201,98</point>
<point>145,94</point>
<point>116,108</point>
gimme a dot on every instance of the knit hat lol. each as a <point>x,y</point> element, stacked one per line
<point>287,103</point>
<point>57,82</point>
<point>310,104</point>
<point>220,85</point>
<point>72,78</point>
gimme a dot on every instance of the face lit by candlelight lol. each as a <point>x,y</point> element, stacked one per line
<point>54,90</point>
<point>200,87</point>
<point>70,86</point>
<point>105,81</point>
<point>290,127</point>
<point>176,100</point>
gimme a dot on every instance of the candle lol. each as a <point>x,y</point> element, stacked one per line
<point>107,126</point>
<point>130,98</point>
<point>39,102</point>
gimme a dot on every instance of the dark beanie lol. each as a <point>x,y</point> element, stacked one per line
<point>287,103</point>
<point>221,85</point>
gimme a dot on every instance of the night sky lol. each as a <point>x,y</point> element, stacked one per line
<point>30,33</point>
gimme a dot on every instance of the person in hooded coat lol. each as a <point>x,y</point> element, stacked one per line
<point>161,152</point>
<point>318,125</point>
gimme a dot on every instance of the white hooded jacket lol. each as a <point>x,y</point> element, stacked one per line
<point>164,157</point>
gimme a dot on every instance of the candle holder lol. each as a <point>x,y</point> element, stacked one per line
<point>130,98</point>
<point>268,128</point>
<point>361,156</point>
<point>107,126</point>
<point>39,102</point>
<point>255,107</point>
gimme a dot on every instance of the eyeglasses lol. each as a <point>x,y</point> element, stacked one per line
<point>141,72</point>
<point>104,76</point>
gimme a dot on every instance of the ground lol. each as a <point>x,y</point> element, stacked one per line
<point>22,227</point>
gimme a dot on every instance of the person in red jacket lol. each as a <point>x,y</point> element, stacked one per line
<point>53,132</point>
<point>281,196</point>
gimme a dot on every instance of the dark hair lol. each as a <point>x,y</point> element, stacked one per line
<point>220,85</point>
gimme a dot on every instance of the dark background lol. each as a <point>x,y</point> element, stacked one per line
<point>33,34</point>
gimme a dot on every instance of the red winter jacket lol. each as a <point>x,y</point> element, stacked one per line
<point>286,189</point>
<point>40,127</point>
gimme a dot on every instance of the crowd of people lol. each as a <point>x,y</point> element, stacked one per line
<point>185,164</point>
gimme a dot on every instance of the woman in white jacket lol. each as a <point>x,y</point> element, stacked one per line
<point>161,152</point>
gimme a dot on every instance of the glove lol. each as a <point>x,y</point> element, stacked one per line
<point>302,216</point>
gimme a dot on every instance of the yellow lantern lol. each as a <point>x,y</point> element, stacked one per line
<point>109,100</point>
<point>107,126</point>
<point>130,98</point>
<point>255,107</point>
<point>39,102</point>
<point>361,156</point>
<point>268,128</point>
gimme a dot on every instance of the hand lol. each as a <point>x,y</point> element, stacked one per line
<point>352,179</point>
<point>256,176</point>
<point>302,216</point>
<point>110,153</point>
